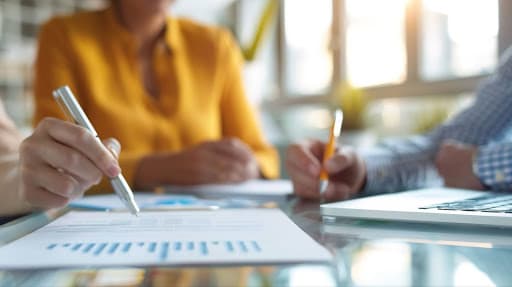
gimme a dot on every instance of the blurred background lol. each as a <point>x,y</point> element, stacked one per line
<point>396,66</point>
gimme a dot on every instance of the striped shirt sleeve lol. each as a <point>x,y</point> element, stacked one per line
<point>493,166</point>
<point>400,164</point>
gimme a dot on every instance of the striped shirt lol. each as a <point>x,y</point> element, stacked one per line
<point>400,164</point>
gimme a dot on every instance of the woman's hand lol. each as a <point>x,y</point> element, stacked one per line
<point>224,161</point>
<point>61,160</point>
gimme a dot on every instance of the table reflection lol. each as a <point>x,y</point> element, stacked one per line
<point>365,253</point>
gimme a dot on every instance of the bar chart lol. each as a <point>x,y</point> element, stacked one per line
<point>163,250</point>
<point>163,238</point>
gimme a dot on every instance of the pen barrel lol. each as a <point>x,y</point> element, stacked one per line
<point>72,109</point>
<point>328,152</point>
<point>329,148</point>
<point>323,174</point>
<point>124,192</point>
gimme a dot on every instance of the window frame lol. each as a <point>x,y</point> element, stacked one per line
<point>413,86</point>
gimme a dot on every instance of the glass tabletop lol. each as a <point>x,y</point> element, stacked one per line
<point>365,253</point>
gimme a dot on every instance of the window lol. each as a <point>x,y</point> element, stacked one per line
<point>454,43</point>
<point>390,48</point>
<point>308,57</point>
<point>375,42</point>
<point>19,24</point>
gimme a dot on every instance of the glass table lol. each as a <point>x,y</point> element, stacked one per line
<point>365,253</point>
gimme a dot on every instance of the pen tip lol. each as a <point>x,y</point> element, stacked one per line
<point>323,186</point>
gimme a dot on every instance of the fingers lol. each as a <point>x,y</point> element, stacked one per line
<point>83,141</point>
<point>114,146</point>
<point>44,152</point>
<point>306,186</point>
<point>228,170</point>
<point>211,166</point>
<point>46,187</point>
<point>316,147</point>
<point>300,158</point>
<point>229,160</point>
<point>304,169</point>
<point>52,181</point>
<point>39,197</point>
<point>345,168</point>
<point>339,162</point>
<point>60,160</point>
<point>337,191</point>
<point>233,148</point>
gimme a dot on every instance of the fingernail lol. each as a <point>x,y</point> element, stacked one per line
<point>113,170</point>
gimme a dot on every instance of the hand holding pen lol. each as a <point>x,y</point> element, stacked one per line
<point>72,109</point>
<point>329,149</point>
<point>345,169</point>
<point>60,160</point>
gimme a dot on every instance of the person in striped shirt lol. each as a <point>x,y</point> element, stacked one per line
<point>472,150</point>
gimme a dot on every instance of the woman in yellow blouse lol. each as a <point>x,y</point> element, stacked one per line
<point>169,89</point>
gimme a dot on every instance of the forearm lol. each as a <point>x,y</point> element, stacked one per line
<point>400,165</point>
<point>12,201</point>
<point>160,169</point>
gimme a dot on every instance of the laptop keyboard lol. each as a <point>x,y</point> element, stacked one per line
<point>487,203</point>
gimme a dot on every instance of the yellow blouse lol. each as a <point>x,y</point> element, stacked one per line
<point>198,69</point>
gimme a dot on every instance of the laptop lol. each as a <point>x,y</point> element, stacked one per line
<point>433,205</point>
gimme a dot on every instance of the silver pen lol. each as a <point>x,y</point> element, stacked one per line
<point>74,112</point>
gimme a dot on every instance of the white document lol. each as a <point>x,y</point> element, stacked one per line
<point>99,239</point>
<point>153,201</point>
<point>145,201</point>
<point>251,188</point>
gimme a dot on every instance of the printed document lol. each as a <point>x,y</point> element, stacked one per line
<point>157,238</point>
<point>153,201</point>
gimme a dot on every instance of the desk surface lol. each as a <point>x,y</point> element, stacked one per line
<point>365,254</point>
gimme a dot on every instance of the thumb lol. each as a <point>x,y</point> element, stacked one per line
<point>113,146</point>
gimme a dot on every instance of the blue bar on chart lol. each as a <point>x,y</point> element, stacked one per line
<point>126,247</point>
<point>164,249</point>
<point>243,247</point>
<point>152,247</point>
<point>76,246</point>
<point>100,248</point>
<point>113,248</point>
<point>229,246</point>
<point>87,248</point>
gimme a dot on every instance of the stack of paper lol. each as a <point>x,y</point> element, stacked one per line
<point>255,189</point>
